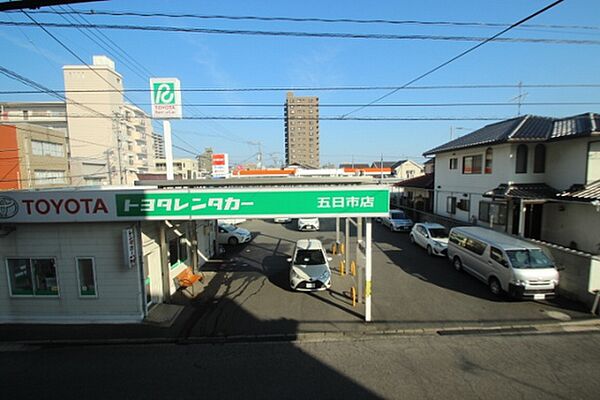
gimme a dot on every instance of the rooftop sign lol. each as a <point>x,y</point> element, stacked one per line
<point>134,205</point>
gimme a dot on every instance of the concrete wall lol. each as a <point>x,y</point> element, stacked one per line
<point>562,224</point>
<point>118,287</point>
<point>579,272</point>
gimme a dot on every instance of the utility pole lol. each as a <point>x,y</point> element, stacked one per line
<point>381,168</point>
<point>108,167</point>
<point>117,130</point>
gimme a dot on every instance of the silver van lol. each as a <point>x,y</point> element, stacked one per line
<point>504,263</point>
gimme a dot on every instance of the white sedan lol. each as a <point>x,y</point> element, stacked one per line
<point>230,234</point>
<point>430,236</point>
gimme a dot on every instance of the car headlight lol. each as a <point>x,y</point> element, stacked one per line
<point>324,276</point>
<point>438,245</point>
<point>555,282</point>
<point>299,273</point>
<point>519,282</point>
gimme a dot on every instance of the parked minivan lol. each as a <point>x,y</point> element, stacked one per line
<point>504,263</point>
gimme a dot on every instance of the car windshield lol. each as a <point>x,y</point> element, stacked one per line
<point>397,215</point>
<point>534,258</point>
<point>438,233</point>
<point>228,228</point>
<point>309,257</point>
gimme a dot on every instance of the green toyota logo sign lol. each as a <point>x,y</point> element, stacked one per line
<point>164,92</point>
<point>166,98</point>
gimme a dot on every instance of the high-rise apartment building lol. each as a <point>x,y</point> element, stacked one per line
<point>302,130</point>
<point>110,140</point>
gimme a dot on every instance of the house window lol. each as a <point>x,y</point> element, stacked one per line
<point>177,251</point>
<point>454,163</point>
<point>472,165</point>
<point>539,159</point>
<point>451,205</point>
<point>490,211</point>
<point>521,167</point>
<point>32,276</point>
<point>86,276</point>
<point>463,204</point>
<point>489,154</point>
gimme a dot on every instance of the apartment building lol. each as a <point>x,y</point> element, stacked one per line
<point>187,168</point>
<point>302,130</point>
<point>159,146</point>
<point>48,114</point>
<point>111,140</point>
<point>32,157</point>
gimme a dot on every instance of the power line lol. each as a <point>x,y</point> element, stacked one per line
<point>331,35</point>
<point>332,88</point>
<point>314,19</point>
<point>383,105</point>
<point>458,56</point>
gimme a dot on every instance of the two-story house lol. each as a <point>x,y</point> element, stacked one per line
<point>533,176</point>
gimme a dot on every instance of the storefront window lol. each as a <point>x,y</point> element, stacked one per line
<point>87,277</point>
<point>32,277</point>
<point>177,251</point>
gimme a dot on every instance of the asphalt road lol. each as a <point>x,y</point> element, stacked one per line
<point>563,366</point>
<point>249,293</point>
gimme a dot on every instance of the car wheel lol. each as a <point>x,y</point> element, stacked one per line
<point>429,251</point>
<point>233,240</point>
<point>391,228</point>
<point>457,264</point>
<point>495,287</point>
<point>412,239</point>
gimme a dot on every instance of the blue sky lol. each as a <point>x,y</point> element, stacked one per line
<point>203,60</point>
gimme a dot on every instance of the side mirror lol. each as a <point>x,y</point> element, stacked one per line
<point>289,259</point>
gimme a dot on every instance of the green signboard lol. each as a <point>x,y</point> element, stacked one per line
<point>208,204</point>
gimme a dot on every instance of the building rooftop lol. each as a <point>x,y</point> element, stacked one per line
<point>525,128</point>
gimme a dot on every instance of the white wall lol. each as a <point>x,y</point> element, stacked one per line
<point>579,223</point>
<point>566,162</point>
<point>118,287</point>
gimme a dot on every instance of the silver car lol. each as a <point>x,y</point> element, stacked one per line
<point>231,234</point>
<point>309,269</point>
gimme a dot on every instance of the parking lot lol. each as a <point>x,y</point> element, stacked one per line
<point>249,290</point>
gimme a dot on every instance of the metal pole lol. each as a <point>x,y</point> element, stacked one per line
<point>347,243</point>
<point>522,210</point>
<point>168,149</point>
<point>368,270</point>
<point>337,232</point>
<point>361,273</point>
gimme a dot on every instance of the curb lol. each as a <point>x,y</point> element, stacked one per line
<point>592,325</point>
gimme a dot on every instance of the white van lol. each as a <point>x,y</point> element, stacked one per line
<point>504,263</point>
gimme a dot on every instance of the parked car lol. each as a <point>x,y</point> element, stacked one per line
<point>397,221</point>
<point>230,234</point>
<point>503,262</point>
<point>432,237</point>
<point>309,268</point>
<point>308,224</point>
<point>282,220</point>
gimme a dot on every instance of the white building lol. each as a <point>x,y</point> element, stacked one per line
<point>71,257</point>
<point>523,176</point>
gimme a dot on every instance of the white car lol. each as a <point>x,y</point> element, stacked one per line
<point>308,224</point>
<point>397,221</point>
<point>430,236</point>
<point>282,220</point>
<point>309,268</point>
<point>230,234</point>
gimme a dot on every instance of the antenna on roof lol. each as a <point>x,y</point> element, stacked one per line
<point>519,98</point>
